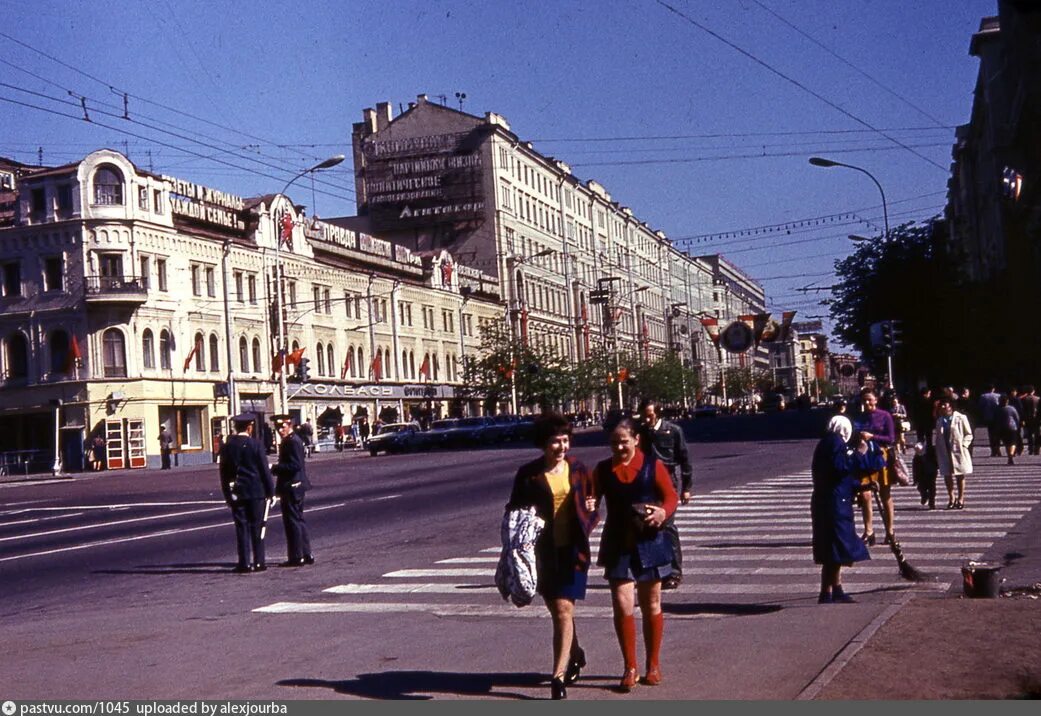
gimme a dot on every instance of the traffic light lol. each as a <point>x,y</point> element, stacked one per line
<point>896,331</point>
<point>886,330</point>
<point>303,370</point>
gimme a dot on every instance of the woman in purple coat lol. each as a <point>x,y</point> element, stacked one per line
<point>836,479</point>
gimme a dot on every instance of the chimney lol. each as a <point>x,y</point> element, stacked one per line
<point>369,120</point>
<point>421,99</point>
<point>384,115</point>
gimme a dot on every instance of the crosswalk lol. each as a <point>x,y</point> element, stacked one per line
<point>743,543</point>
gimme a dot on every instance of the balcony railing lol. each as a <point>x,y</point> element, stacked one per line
<point>115,288</point>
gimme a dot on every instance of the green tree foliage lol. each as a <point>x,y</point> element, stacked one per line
<point>666,381</point>
<point>910,278</point>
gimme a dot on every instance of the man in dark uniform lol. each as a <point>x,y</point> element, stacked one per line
<point>246,482</point>
<point>291,485</point>
<point>669,446</point>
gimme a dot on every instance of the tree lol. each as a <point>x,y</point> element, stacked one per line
<point>666,381</point>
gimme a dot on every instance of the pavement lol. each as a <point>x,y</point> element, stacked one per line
<point>927,645</point>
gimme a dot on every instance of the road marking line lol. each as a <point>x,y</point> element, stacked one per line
<point>99,525</point>
<point>385,497</point>
<point>425,588</point>
<point>447,610</point>
<point>40,519</point>
<point>113,507</point>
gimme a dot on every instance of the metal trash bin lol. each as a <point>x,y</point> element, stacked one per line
<point>981,580</point>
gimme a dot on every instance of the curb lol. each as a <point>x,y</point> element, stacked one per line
<point>839,662</point>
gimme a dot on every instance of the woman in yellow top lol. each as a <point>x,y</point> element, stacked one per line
<point>557,485</point>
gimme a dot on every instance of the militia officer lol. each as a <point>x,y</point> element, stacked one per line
<point>670,447</point>
<point>246,482</point>
<point>292,483</point>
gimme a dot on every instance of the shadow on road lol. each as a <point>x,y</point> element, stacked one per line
<point>197,568</point>
<point>734,610</point>
<point>418,685</point>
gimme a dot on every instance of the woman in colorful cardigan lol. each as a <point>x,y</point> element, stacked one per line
<point>557,485</point>
<point>633,549</point>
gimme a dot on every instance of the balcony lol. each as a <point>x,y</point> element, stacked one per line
<point>114,290</point>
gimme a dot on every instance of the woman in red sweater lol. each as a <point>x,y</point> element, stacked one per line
<point>633,549</point>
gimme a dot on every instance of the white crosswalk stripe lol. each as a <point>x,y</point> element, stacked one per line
<point>748,541</point>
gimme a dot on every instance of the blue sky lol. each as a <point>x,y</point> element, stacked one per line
<point>698,115</point>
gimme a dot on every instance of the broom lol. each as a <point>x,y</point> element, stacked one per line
<point>907,571</point>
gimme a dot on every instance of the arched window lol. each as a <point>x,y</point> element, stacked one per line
<point>412,364</point>
<point>258,367</point>
<point>244,355</point>
<point>330,360</point>
<point>16,356</point>
<point>455,368</point>
<point>295,348</point>
<point>108,186</point>
<point>59,345</point>
<point>362,368</point>
<point>350,361</point>
<point>437,368</point>
<point>164,349</point>
<point>114,355</point>
<point>200,353</point>
<point>148,349</point>
<point>404,364</point>
<point>214,354</point>
<point>320,352</point>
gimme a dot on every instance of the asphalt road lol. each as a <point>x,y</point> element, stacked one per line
<point>119,586</point>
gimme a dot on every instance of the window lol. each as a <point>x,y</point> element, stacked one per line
<point>211,286</point>
<point>200,353</point>
<point>114,356</point>
<point>437,367</point>
<point>257,367</point>
<point>160,273</point>
<point>142,198</point>
<point>165,347</point>
<point>404,365</point>
<point>185,424</point>
<point>53,275</point>
<point>157,201</point>
<point>214,354</point>
<point>327,299</point>
<point>239,295</point>
<point>12,285</point>
<point>350,361</point>
<point>196,271</point>
<point>58,342</point>
<point>251,288</point>
<point>16,357</point>
<point>361,362</point>
<point>108,187</point>
<point>146,273</point>
<point>243,355</point>
<point>38,205</point>
<point>320,352</point>
<point>292,294</point>
<point>329,360</point>
<point>347,304</point>
<point>148,350</point>
<point>64,201</point>
<point>317,293</point>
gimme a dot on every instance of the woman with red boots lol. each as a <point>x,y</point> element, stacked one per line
<point>635,553</point>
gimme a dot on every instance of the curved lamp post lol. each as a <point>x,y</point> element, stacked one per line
<point>279,301</point>
<point>822,162</point>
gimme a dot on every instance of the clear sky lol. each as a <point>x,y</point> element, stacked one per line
<point>700,116</point>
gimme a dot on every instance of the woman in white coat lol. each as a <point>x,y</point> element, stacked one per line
<point>952,437</point>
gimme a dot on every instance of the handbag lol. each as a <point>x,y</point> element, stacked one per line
<point>639,513</point>
<point>900,469</point>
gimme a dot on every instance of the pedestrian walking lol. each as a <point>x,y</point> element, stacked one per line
<point>246,483</point>
<point>557,485</point>
<point>989,418</point>
<point>165,447</point>
<point>922,417</point>
<point>307,435</point>
<point>340,433</point>
<point>1007,425</point>
<point>99,449</point>
<point>634,551</point>
<point>901,424</point>
<point>665,439</point>
<point>872,424</point>
<point>291,485</point>
<point>952,437</point>
<point>836,470</point>
<point>1031,418</point>
<point>965,405</point>
<point>363,431</point>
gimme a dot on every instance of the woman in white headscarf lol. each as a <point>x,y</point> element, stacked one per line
<point>836,477</point>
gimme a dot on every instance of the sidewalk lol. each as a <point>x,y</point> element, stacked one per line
<point>947,646</point>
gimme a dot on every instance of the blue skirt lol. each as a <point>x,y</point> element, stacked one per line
<point>561,577</point>
<point>627,567</point>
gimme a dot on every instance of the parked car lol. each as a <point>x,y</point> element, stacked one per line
<point>443,433</point>
<point>396,437</point>
<point>706,411</point>
<point>524,428</point>
<point>773,403</point>
<point>505,427</point>
<point>478,431</point>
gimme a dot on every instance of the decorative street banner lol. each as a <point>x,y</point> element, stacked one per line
<point>736,337</point>
<point>712,328</point>
<point>411,181</point>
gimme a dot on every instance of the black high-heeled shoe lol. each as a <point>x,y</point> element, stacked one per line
<point>557,689</point>
<point>575,666</point>
<point>869,539</point>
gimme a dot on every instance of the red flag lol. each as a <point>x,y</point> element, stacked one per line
<point>191,354</point>
<point>74,356</point>
<point>507,370</point>
<point>294,357</point>
<point>377,367</point>
<point>346,366</point>
<point>623,375</point>
<point>285,231</point>
<point>424,369</point>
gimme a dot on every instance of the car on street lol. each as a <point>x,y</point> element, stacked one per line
<point>505,427</point>
<point>706,411</point>
<point>395,438</point>
<point>478,431</point>
<point>774,403</point>
<point>446,433</point>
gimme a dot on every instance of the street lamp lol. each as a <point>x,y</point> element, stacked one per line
<point>822,162</point>
<point>279,299</point>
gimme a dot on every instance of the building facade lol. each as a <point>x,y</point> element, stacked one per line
<point>132,301</point>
